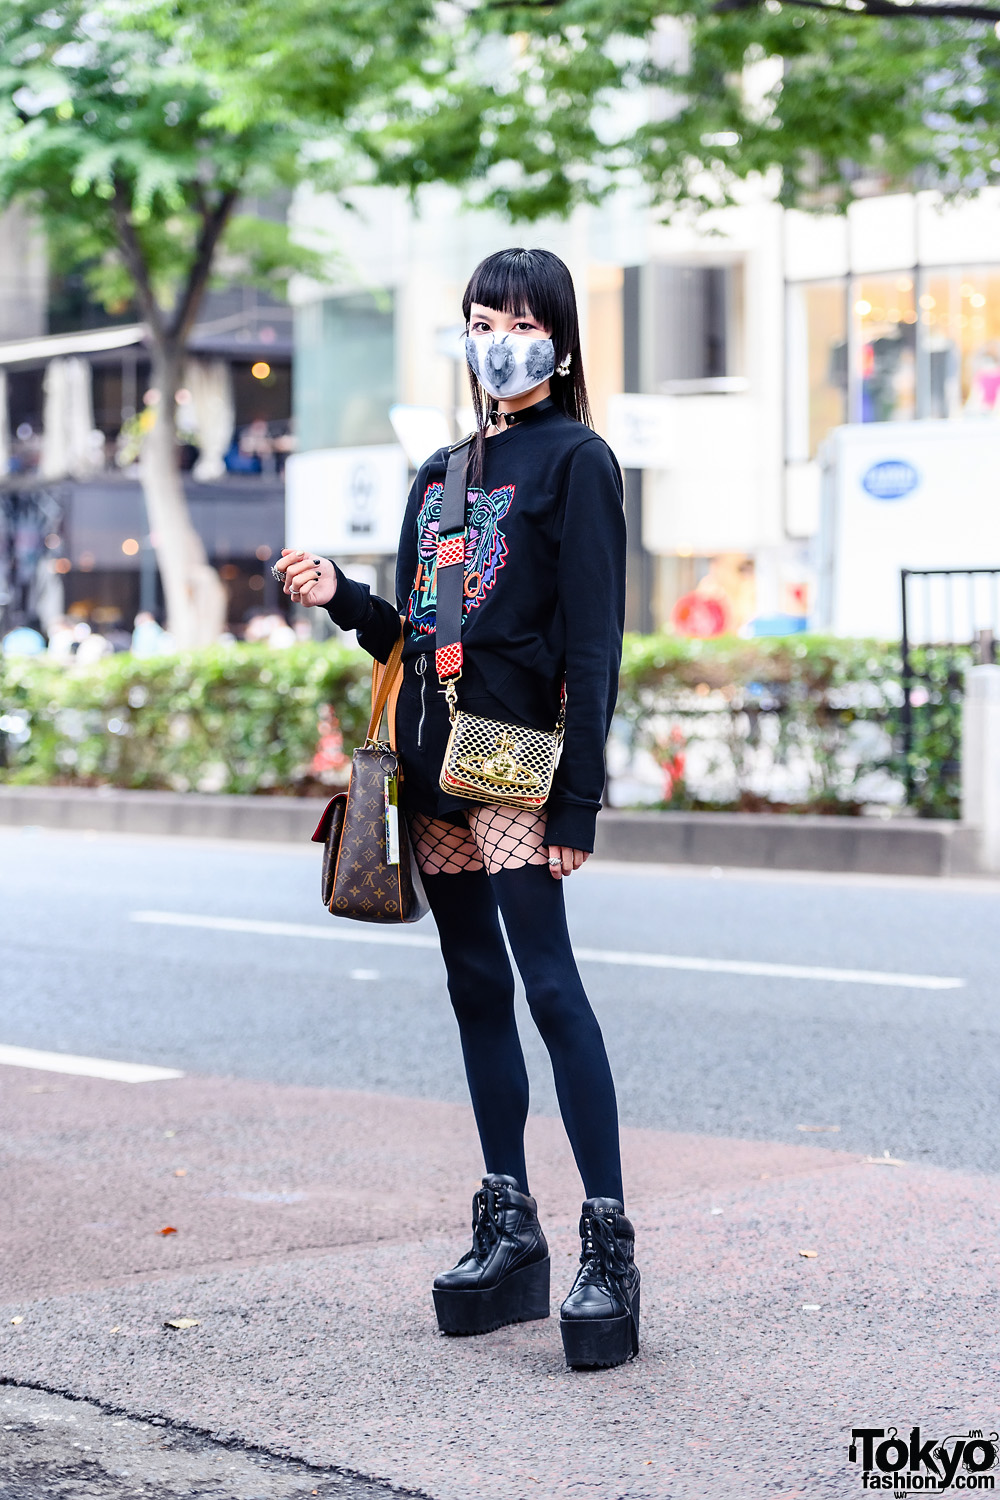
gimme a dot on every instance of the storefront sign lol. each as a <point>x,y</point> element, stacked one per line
<point>346,501</point>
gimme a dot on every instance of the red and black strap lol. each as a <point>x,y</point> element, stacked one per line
<point>451,565</point>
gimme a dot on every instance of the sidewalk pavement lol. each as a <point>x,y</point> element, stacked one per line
<point>310,1223</point>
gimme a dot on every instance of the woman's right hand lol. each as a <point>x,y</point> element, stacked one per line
<point>307,579</point>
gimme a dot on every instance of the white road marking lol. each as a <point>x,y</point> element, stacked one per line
<point>403,939</point>
<point>84,1067</point>
<point>356,934</point>
<point>770,971</point>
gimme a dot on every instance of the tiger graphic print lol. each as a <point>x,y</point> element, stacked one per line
<point>485,551</point>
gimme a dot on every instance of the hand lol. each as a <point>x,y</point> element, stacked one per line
<point>569,860</point>
<point>308,579</point>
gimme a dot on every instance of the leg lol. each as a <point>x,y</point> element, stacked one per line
<point>504,1277</point>
<point>481,986</point>
<point>534,915</point>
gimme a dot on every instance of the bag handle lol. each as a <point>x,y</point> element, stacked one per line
<point>386,681</point>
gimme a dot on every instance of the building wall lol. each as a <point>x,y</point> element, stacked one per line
<point>890,312</point>
<point>23,278</point>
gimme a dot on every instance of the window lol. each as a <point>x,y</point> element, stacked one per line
<point>345,376</point>
<point>930,349</point>
<point>697,324</point>
<point>960,332</point>
<point>884,313</point>
<point>817,364</point>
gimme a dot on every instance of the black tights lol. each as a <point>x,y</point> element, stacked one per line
<point>481,985</point>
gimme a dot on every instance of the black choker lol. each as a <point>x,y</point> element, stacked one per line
<point>515,418</point>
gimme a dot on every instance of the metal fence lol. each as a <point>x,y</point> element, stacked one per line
<point>950,610</point>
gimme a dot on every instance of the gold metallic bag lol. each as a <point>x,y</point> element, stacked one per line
<point>507,764</point>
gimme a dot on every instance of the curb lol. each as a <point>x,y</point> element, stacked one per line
<point>768,841</point>
<point>792,841</point>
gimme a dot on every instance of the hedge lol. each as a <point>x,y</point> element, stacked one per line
<point>226,718</point>
<point>249,719</point>
<point>833,706</point>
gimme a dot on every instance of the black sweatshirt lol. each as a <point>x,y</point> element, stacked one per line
<point>545,598</point>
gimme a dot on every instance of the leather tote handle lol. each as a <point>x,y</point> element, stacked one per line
<point>386,682</point>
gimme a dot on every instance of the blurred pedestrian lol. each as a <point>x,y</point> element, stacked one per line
<point>23,641</point>
<point>270,626</point>
<point>92,645</point>
<point>63,640</point>
<point>541,611</point>
<point>149,637</point>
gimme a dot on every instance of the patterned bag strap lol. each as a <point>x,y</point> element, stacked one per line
<point>450,583</point>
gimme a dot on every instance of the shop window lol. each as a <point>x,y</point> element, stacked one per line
<point>960,334</point>
<point>817,364</point>
<point>345,371</point>
<point>697,323</point>
<point>884,312</point>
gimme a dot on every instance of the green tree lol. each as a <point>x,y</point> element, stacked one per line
<point>137,128</point>
<point>687,99</point>
<point>138,150</point>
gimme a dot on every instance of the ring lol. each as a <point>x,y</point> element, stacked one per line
<point>277,575</point>
<point>555,862</point>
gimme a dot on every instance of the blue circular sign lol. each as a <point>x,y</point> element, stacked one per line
<point>890,479</point>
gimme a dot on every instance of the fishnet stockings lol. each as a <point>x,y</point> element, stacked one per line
<point>496,838</point>
<point>508,837</point>
<point>443,848</point>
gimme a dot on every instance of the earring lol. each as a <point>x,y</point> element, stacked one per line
<point>562,368</point>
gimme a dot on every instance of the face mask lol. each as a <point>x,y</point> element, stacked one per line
<point>511,365</point>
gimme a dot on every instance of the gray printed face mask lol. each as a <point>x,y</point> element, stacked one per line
<point>511,365</point>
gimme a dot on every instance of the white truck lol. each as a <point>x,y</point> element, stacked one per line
<point>910,495</point>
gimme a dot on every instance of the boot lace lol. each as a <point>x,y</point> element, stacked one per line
<point>602,1258</point>
<point>487,1225</point>
<point>604,1263</point>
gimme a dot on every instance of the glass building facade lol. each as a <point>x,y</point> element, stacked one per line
<point>891,347</point>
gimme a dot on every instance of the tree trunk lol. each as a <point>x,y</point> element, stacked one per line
<point>195,596</point>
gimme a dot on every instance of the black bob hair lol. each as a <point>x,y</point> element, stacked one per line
<point>539,283</point>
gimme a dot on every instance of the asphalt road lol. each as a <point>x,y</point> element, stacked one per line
<point>795,1283</point>
<point>906,1070</point>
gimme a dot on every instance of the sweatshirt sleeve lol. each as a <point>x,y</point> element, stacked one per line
<point>591,594</point>
<point>355,607</point>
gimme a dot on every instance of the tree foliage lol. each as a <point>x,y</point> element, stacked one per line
<point>687,99</point>
<point>110,133</point>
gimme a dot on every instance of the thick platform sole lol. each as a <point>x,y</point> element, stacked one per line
<point>599,1343</point>
<point>520,1297</point>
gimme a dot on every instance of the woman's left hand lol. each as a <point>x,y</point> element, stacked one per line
<point>563,861</point>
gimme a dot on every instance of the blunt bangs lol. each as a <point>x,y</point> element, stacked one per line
<point>527,281</point>
<point>504,282</point>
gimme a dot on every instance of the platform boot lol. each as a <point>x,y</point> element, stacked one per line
<point>600,1318</point>
<point>504,1278</point>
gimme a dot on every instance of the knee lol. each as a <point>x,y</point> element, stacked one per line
<point>480,986</point>
<point>560,1007</point>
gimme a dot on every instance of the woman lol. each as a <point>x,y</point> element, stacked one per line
<point>543,604</point>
